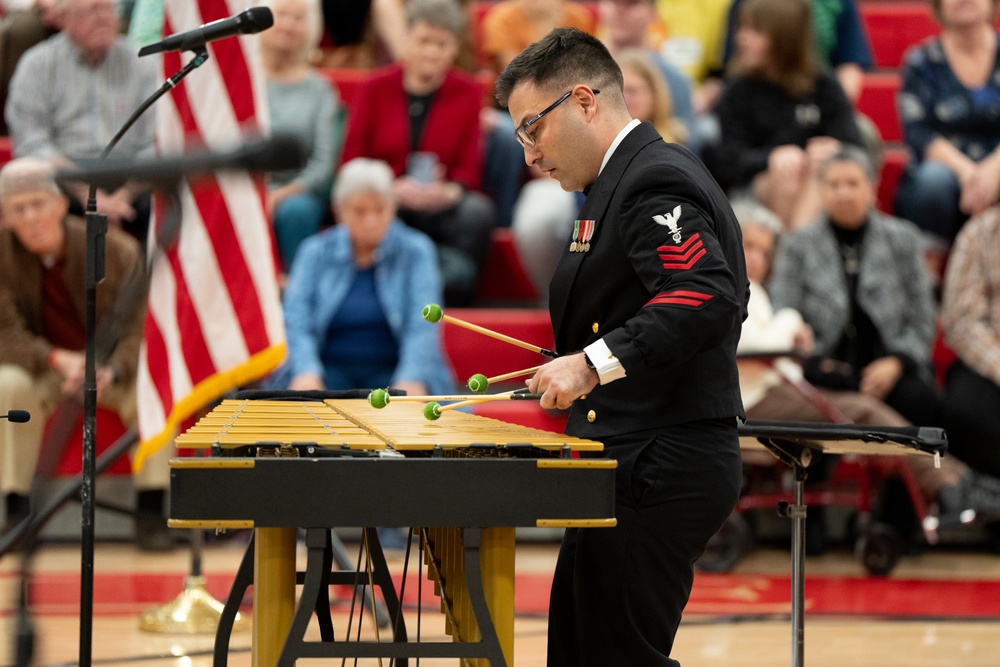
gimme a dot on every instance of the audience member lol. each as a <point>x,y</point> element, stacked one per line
<point>780,115</point>
<point>695,34</point>
<point>69,96</point>
<point>42,334</point>
<point>949,106</point>
<point>774,388</point>
<point>543,217</point>
<point>838,37</point>
<point>301,103</point>
<point>511,25</point>
<point>355,294</point>
<point>422,117</point>
<point>507,28</point>
<point>364,33</point>
<point>858,278</point>
<point>970,318</point>
<point>626,25</point>
<point>24,24</point>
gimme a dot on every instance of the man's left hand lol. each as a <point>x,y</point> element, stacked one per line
<point>562,381</point>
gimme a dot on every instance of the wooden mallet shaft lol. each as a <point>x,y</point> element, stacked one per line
<point>434,410</point>
<point>515,374</point>
<point>434,313</point>
<point>479,383</point>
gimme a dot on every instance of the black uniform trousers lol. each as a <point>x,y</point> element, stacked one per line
<point>618,593</point>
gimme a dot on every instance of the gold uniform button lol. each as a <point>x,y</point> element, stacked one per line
<point>595,327</point>
<point>583,398</point>
<point>591,416</point>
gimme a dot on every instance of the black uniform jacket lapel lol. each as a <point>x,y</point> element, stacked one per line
<point>595,207</point>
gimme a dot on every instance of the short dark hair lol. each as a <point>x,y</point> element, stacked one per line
<point>563,58</point>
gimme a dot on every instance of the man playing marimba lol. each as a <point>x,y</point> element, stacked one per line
<point>653,289</point>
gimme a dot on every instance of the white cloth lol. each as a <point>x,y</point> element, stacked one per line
<point>765,331</point>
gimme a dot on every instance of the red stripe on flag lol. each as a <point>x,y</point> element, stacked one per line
<point>229,54</point>
<point>232,265</point>
<point>156,361</point>
<point>225,243</point>
<point>684,266</point>
<point>196,355</point>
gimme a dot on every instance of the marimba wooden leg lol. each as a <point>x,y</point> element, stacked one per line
<point>496,557</point>
<point>274,593</point>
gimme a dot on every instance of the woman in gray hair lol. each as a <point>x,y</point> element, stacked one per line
<point>355,294</point>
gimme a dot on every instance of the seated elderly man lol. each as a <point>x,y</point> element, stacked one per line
<point>42,333</point>
<point>70,94</point>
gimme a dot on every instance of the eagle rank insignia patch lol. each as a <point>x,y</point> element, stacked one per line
<point>670,221</point>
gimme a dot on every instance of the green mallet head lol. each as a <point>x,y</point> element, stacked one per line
<point>478,383</point>
<point>432,312</point>
<point>432,411</point>
<point>378,398</point>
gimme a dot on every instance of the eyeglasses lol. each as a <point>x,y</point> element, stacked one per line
<point>528,138</point>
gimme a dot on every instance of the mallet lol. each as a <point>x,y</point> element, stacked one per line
<point>433,313</point>
<point>379,398</point>
<point>434,409</point>
<point>479,383</point>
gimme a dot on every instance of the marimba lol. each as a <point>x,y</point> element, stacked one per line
<point>280,465</point>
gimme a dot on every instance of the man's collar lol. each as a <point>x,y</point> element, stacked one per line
<point>632,124</point>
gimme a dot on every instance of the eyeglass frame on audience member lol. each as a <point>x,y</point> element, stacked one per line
<point>521,133</point>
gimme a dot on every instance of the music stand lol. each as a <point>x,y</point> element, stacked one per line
<point>797,444</point>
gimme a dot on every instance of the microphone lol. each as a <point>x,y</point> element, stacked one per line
<point>17,416</point>
<point>251,21</point>
<point>277,153</point>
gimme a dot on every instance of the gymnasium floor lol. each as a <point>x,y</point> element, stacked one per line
<point>940,608</point>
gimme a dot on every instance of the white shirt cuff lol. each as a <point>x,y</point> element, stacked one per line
<point>605,363</point>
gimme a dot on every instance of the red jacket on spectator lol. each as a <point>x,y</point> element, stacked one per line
<point>379,125</point>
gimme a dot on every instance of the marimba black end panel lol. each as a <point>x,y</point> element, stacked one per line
<point>305,492</point>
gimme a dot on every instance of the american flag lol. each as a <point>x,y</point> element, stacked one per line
<point>214,318</point>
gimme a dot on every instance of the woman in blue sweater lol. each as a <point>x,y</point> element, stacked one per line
<point>355,293</point>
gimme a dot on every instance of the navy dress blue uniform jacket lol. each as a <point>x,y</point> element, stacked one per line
<point>664,283</point>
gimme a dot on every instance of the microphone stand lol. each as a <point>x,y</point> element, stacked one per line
<point>97,226</point>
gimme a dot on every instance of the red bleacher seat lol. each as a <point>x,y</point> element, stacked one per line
<point>892,27</point>
<point>504,277</point>
<point>6,150</point>
<point>523,413</point>
<point>893,162</point>
<point>471,352</point>
<point>878,102</point>
<point>109,429</point>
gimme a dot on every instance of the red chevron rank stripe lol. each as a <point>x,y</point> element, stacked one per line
<point>684,256</point>
<point>681,298</point>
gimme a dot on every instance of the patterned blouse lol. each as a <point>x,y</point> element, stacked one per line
<point>970,304</point>
<point>934,103</point>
